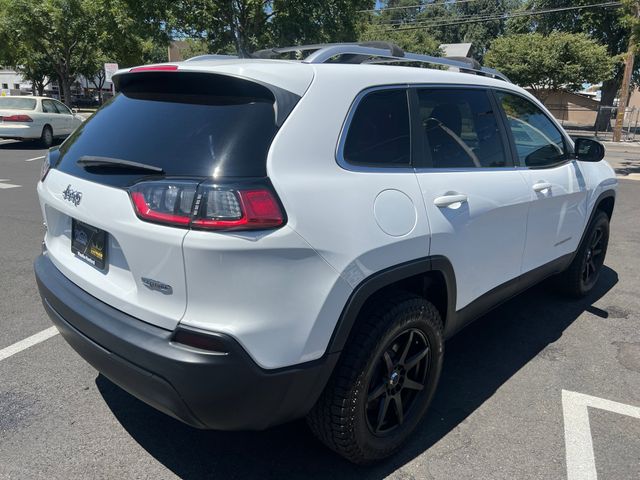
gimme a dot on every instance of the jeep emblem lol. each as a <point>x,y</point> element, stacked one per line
<point>72,196</point>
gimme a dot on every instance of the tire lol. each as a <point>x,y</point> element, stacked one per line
<point>582,275</point>
<point>370,375</point>
<point>46,138</point>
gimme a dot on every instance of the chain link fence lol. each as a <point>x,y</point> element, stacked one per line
<point>582,121</point>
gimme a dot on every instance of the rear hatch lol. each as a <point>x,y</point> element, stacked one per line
<point>164,127</point>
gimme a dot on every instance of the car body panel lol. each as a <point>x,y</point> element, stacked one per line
<point>280,293</point>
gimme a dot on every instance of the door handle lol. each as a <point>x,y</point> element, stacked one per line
<point>450,199</point>
<point>541,186</point>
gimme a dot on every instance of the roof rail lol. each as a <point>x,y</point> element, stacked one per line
<point>211,57</point>
<point>365,52</point>
<point>394,49</point>
<point>378,53</point>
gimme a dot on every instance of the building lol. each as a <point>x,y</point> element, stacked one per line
<point>12,83</point>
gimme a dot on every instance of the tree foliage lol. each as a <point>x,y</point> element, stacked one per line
<point>610,27</point>
<point>243,26</point>
<point>416,41</point>
<point>549,62</point>
<point>65,38</point>
<point>444,22</point>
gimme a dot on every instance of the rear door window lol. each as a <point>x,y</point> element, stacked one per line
<point>187,124</point>
<point>378,134</point>
<point>459,129</point>
<point>49,107</point>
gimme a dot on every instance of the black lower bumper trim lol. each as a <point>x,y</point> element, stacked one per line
<point>224,391</point>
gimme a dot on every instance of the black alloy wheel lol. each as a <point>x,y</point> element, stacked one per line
<point>583,272</point>
<point>594,257</point>
<point>384,381</point>
<point>400,374</point>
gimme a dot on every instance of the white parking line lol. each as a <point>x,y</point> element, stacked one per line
<point>7,185</point>
<point>28,342</point>
<point>34,159</point>
<point>581,464</point>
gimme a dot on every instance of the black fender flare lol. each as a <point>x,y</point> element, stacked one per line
<point>384,278</point>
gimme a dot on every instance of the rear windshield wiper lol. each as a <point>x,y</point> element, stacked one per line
<point>91,161</point>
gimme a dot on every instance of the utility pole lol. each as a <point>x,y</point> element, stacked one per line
<point>626,82</point>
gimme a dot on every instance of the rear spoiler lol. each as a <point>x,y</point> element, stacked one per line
<point>165,75</point>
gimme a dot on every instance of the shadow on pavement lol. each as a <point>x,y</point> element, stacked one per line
<point>26,145</point>
<point>627,167</point>
<point>477,362</point>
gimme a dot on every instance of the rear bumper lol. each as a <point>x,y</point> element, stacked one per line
<point>224,391</point>
<point>18,131</point>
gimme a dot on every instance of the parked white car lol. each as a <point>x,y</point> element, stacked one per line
<point>244,242</point>
<point>36,118</point>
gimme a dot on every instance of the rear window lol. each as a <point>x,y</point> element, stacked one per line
<point>187,124</point>
<point>17,103</point>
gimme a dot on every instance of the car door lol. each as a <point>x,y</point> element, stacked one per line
<point>476,200</point>
<point>53,118</point>
<point>558,204</point>
<point>67,116</point>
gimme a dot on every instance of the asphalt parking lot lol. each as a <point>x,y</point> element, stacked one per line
<point>525,391</point>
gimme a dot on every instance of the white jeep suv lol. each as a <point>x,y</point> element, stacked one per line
<point>244,242</point>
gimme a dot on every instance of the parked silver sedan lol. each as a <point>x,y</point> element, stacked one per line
<point>36,118</point>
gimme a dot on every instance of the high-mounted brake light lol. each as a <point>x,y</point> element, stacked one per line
<point>17,118</point>
<point>155,68</point>
<point>207,206</point>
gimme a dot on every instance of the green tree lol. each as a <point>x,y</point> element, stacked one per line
<point>62,31</point>
<point>547,63</point>
<point>448,22</point>
<point>416,41</point>
<point>65,38</point>
<point>243,26</point>
<point>609,26</point>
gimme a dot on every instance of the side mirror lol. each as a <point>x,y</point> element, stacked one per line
<point>74,110</point>
<point>589,150</point>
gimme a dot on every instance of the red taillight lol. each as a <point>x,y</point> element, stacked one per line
<point>207,206</point>
<point>164,201</point>
<point>146,212</point>
<point>251,209</point>
<point>155,68</point>
<point>17,118</point>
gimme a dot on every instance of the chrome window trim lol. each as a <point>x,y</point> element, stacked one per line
<point>344,164</point>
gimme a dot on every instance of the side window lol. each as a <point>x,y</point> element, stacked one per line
<point>48,106</point>
<point>62,108</point>
<point>538,142</point>
<point>460,129</point>
<point>379,131</point>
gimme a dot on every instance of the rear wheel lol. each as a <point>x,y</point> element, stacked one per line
<point>46,138</point>
<point>384,381</point>
<point>582,275</point>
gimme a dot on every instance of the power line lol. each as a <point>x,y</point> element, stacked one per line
<point>423,5</point>
<point>490,17</point>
